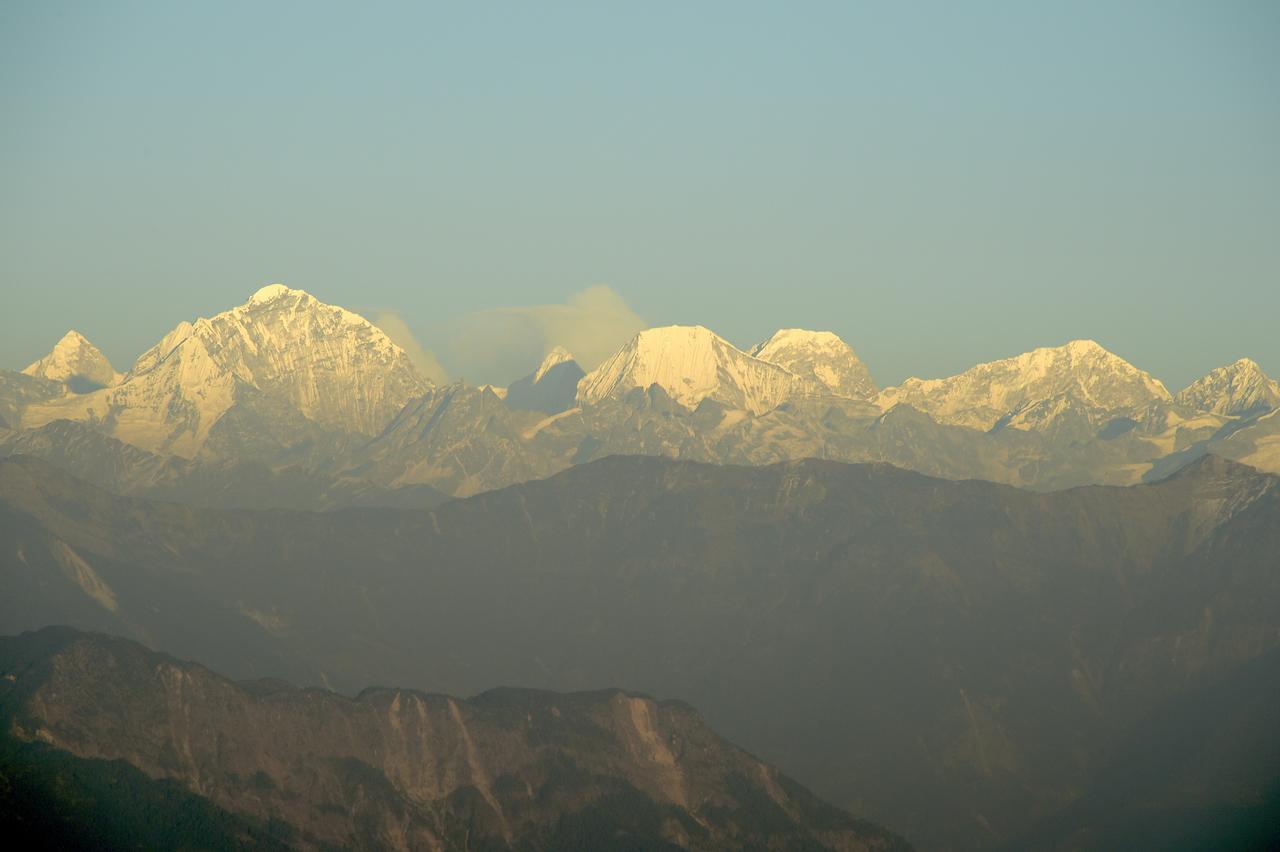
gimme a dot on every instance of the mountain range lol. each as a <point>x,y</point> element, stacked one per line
<point>306,391</point>
<point>969,663</point>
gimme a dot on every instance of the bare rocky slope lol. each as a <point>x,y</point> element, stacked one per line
<point>390,768</point>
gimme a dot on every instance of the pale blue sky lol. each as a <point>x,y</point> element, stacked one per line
<point>939,183</point>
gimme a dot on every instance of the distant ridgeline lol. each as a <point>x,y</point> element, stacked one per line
<point>320,409</point>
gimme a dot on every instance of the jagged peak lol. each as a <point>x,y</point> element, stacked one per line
<point>1239,368</point>
<point>251,314</point>
<point>331,366</point>
<point>74,359</point>
<point>557,356</point>
<point>1238,388</point>
<point>72,341</point>
<point>72,337</point>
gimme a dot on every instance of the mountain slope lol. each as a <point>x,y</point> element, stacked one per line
<point>397,769</point>
<point>18,392</point>
<point>232,483</point>
<point>287,361</point>
<point>76,362</point>
<point>822,358</point>
<point>692,363</point>
<point>972,654</point>
<point>1240,388</point>
<point>1080,372</point>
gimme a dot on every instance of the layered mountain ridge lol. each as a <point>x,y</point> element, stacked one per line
<point>975,656</point>
<point>397,769</point>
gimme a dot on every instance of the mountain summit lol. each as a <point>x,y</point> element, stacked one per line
<point>282,355</point>
<point>334,366</point>
<point>77,363</point>
<point>692,363</point>
<point>1236,389</point>
<point>822,358</point>
<point>1080,374</point>
<point>551,388</point>
<point>557,356</point>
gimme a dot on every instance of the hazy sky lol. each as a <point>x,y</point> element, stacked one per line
<point>938,183</point>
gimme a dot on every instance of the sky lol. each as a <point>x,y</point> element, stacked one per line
<point>938,183</point>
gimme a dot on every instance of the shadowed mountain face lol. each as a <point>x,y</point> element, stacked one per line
<point>549,389</point>
<point>393,769</point>
<point>958,660</point>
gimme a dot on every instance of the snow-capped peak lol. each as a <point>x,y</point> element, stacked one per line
<point>558,355</point>
<point>336,367</point>
<point>77,362</point>
<point>1238,388</point>
<point>692,363</point>
<point>821,357</point>
<point>284,354</point>
<point>273,291</point>
<point>1081,371</point>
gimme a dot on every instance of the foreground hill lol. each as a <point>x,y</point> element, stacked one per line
<point>958,660</point>
<point>270,764</point>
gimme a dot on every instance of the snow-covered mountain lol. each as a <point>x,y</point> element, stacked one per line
<point>692,363</point>
<point>1236,389</point>
<point>285,382</point>
<point>1080,375</point>
<point>821,357</point>
<point>284,354</point>
<point>77,363</point>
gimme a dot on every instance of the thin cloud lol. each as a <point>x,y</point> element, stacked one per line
<point>424,359</point>
<point>503,344</point>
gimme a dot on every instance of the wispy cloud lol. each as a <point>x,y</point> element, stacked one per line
<point>503,344</point>
<point>424,359</point>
